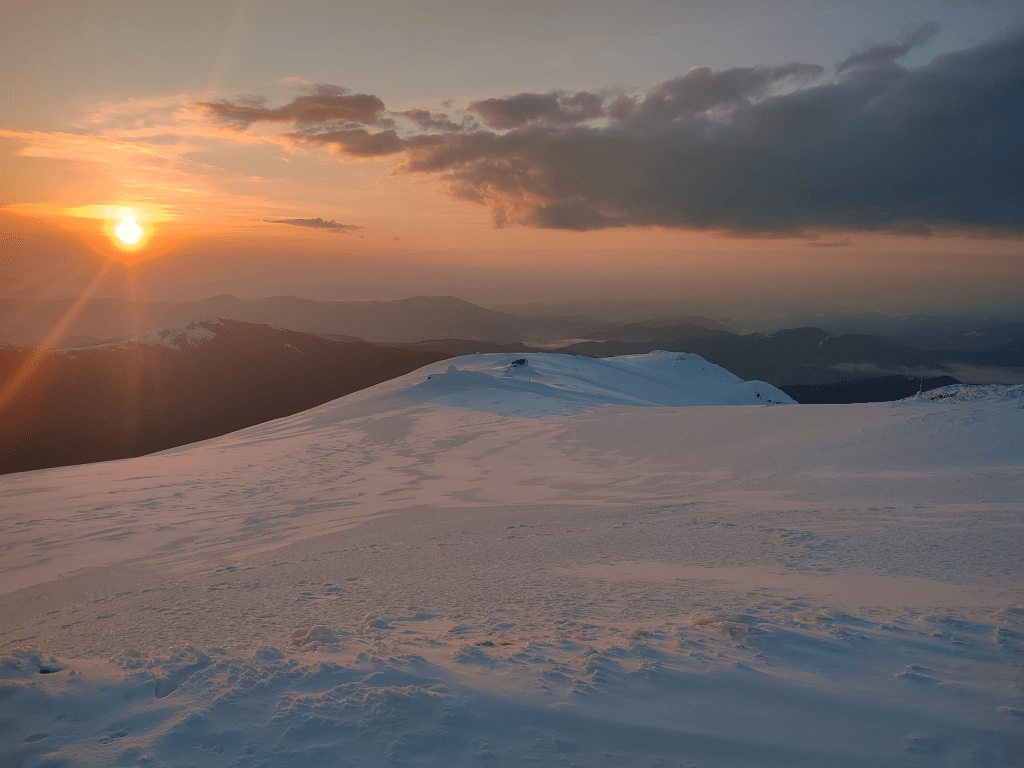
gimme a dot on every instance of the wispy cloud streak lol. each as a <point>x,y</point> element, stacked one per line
<point>328,225</point>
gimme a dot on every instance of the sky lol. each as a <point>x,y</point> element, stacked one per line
<point>859,154</point>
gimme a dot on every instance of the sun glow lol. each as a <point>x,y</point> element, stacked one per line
<point>129,232</point>
<point>129,229</point>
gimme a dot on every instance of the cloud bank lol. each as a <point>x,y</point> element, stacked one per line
<point>872,146</point>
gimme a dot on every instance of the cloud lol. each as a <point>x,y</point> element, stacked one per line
<point>554,107</point>
<point>880,55</point>
<point>843,242</point>
<point>356,142</point>
<point>762,150</point>
<point>433,121</point>
<point>329,225</point>
<point>327,104</point>
<point>768,151</point>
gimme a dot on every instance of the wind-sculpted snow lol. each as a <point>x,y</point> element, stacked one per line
<point>546,385</point>
<point>979,393</point>
<point>433,572</point>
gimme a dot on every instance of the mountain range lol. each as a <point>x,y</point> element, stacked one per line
<point>93,399</point>
<point>995,339</point>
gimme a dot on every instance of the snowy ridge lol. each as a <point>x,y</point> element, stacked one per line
<point>175,337</point>
<point>553,384</point>
<point>977,393</point>
<point>178,336</point>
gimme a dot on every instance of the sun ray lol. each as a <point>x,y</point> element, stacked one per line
<point>22,376</point>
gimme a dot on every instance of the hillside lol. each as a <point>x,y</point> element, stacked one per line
<point>178,385</point>
<point>786,357</point>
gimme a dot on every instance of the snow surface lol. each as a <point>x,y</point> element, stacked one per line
<point>176,337</point>
<point>991,393</point>
<point>474,569</point>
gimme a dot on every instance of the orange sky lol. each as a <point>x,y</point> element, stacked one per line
<point>135,141</point>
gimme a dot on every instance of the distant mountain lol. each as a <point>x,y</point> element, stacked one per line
<point>621,311</point>
<point>420,318</point>
<point>965,332</point>
<point>648,331</point>
<point>423,317</point>
<point>792,356</point>
<point>1000,345</point>
<point>455,347</point>
<point>178,385</point>
<point>881,389</point>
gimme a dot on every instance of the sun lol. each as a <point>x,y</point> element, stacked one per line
<point>129,232</point>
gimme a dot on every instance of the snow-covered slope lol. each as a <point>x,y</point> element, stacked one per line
<point>434,572</point>
<point>549,384</point>
<point>980,393</point>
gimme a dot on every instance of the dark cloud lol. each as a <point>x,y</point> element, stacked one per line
<point>330,225</point>
<point>327,104</point>
<point>356,142</point>
<point>523,108</point>
<point>433,121</point>
<point>762,150</point>
<point>703,89</point>
<point>880,55</point>
<point>766,151</point>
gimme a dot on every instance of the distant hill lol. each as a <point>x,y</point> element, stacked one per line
<point>792,356</point>
<point>420,318</point>
<point>649,331</point>
<point>179,385</point>
<point>455,347</point>
<point>881,389</point>
<point>1000,345</point>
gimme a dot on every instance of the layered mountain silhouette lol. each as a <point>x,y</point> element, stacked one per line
<point>792,356</point>
<point>877,390</point>
<point>990,340</point>
<point>177,386</point>
<point>406,320</point>
<point>172,380</point>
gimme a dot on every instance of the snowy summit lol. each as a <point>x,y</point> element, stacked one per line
<point>549,384</point>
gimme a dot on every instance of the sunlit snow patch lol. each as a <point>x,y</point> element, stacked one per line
<point>551,384</point>
<point>191,334</point>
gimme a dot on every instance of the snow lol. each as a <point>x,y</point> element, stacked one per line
<point>176,337</point>
<point>560,566</point>
<point>990,393</point>
<point>551,384</point>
